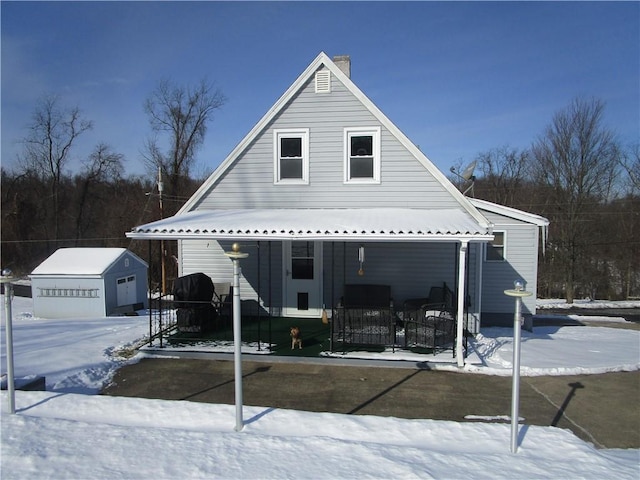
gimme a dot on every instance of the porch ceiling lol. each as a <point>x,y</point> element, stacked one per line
<point>340,224</point>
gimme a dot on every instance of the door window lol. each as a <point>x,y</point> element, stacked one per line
<point>302,260</point>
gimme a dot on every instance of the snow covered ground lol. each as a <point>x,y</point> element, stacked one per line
<point>585,303</point>
<point>68,433</point>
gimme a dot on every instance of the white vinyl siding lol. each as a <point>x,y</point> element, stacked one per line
<point>291,156</point>
<point>404,181</point>
<point>264,277</point>
<point>522,263</point>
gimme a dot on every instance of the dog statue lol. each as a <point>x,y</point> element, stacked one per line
<point>296,338</point>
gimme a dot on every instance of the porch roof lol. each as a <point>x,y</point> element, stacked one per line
<point>338,224</point>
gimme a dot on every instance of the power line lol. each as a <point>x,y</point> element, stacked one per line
<point>79,240</point>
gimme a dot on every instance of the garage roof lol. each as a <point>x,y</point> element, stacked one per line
<point>80,261</point>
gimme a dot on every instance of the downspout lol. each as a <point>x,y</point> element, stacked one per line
<point>333,292</point>
<point>180,266</point>
<point>259,298</point>
<point>150,296</point>
<point>162,293</point>
<point>479,283</point>
<point>462,263</point>
<point>270,295</point>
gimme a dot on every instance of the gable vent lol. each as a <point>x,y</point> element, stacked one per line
<point>323,81</point>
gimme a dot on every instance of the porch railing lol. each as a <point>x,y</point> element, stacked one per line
<point>430,329</point>
<point>162,320</point>
<point>364,326</point>
<point>433,329</point>
<point>168,316</point>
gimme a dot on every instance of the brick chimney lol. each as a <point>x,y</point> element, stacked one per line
<point>343,62</point>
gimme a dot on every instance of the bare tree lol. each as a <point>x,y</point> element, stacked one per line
<point>504,172</point>
<point>102,166</point>
<point>182,115</point>
<point>576,162</point>
<point>631,165</point>
<point>47,147</point>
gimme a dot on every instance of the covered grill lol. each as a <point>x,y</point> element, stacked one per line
<point>193,297</point>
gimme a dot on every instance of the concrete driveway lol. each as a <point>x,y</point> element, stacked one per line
<point>600,409</point>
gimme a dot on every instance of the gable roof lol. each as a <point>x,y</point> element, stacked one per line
<point>510,212</point>
<point>323,60</point>
<point>81,261</point>
<point>537,220</point>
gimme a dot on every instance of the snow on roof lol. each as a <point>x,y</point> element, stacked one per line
<point>521,215</point>
<point>403,224</point>
<point>510,212</point>
<point>79,261</point>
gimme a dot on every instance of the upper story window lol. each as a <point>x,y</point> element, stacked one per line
<point>496,248</point>
<point>291,156</point>
<point>362,155</point>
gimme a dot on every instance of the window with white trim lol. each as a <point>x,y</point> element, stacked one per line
<point>291,156</point>
<point>496,249</point>
<point>362,155</point>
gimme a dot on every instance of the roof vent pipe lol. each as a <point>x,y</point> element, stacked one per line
<point>343,62</point>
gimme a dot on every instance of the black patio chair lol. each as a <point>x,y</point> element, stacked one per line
<point>429,322</point>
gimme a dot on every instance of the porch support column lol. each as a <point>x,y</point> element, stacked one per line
<point>462,263</point>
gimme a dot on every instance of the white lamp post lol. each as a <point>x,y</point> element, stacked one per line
<point>518,293</point>
<point>235,255</point>
<point>6,279</point>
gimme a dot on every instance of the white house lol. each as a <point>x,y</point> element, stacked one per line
<point>89,282</point>
<point>325,187</point>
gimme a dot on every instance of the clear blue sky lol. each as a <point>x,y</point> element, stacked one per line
<point>458,78</point>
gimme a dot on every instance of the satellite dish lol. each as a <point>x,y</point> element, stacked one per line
<point>467,176</point>
<point>467,173</point>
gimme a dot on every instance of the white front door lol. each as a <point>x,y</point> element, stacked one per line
<point>302,265</point>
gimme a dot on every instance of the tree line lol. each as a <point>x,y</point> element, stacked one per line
<point>576,173</point>
<point>579,176</point>
<point>46,207</point>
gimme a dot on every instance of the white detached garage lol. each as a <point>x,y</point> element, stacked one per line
<point>95,282</point>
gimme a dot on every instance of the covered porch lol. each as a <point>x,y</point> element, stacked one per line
<point>302,261</point>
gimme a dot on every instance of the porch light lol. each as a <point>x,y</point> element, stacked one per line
<point>361,259</point>
<point>235,255</point>
<point>6,279</point>
<point>518,293</point>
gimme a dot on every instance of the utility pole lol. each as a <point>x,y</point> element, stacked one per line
<point>162,253</point>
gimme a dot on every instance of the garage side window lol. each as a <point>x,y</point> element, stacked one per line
<point>68,292</point>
